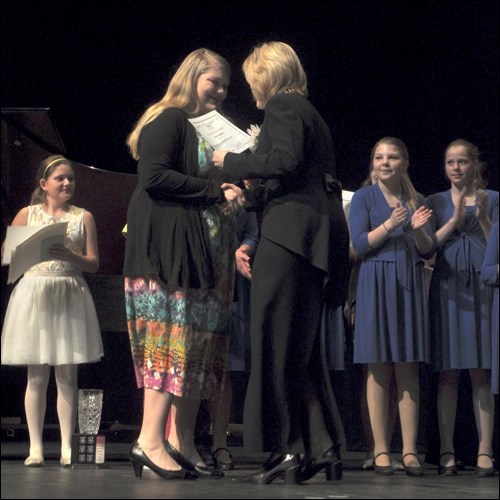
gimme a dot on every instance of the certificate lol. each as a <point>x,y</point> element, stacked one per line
<point>26,246</point>
<point>220,133</point>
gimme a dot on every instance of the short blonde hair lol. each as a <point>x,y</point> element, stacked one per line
<point>181,91</point>
<point>274,68</point>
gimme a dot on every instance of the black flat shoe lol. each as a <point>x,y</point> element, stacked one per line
<point>329,460</point>
<point>275,465</point>
<point>202,471</point>
<point>415,470</point>
<point>220,464</point>
<point>385,470</point>
<point>486,471</point>
<point>447,470</point>
<point>140,460</point>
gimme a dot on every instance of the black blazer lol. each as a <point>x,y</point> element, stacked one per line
<point>294,152</point>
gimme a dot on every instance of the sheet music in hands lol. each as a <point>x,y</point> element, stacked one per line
<point>26,246</point>
<point>220,133</point>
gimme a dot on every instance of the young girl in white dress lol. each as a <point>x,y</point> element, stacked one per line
<point>51,318</point>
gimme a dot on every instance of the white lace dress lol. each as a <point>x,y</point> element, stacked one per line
<point>51,317</point>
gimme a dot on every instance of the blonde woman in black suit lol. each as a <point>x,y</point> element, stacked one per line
<point>290,408</point>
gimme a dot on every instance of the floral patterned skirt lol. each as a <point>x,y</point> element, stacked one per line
<point>179,338</point>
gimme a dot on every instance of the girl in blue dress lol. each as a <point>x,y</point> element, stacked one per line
<point>390,233</point>
<point>459,302</point>
<point>489,275</point>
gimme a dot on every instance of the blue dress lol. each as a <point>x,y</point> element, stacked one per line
<point>391,302</point>
<point>459,302</point>
<point>333,336</point>
<point>489,275</point>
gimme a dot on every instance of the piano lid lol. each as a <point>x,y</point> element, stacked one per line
<point>38,125</point>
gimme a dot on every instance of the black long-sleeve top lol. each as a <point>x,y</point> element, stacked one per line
<point>166,235</point>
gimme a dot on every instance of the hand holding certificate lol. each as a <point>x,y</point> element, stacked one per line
<point>220,133</point>
<point>26,246</point>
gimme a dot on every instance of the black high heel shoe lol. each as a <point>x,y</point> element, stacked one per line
<point>447,470</point>
<point>202,471</point>
<point>139,460</point>
<point>275,465</point>
<point>220,464</point>
<point>329,460</point>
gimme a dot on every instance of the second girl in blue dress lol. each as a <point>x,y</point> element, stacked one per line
<point>389,231</point>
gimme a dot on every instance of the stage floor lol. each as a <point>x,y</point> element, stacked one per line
<point>116,480</point>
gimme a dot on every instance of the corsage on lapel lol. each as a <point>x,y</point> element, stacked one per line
<point>254,132</point>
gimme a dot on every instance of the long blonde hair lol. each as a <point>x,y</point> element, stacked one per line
<point>409,191</point>
<point>181,91</point>
<point>273,68</point>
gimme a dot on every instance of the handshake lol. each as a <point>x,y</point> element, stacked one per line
<point>235,198</point>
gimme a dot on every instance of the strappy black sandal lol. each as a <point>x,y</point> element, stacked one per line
<point>385,470</point>
<point>415,470</point>
<point>486,471</point>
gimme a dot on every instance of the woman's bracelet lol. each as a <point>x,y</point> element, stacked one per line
<point>383,224</point>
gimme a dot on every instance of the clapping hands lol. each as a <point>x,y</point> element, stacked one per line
<point>481,203</point>
<point>420,217</point>
<point>398,216</point>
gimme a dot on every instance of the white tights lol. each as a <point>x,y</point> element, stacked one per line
<point>35,403</point>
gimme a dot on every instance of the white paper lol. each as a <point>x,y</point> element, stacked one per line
<point>32,249</point>
<point>220,133</point>
<point>15,236</point>
<point>346,202</point>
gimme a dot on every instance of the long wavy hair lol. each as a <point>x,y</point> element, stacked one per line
<point>181,91</point>
<point>409,191</point>
<point>273,68</point>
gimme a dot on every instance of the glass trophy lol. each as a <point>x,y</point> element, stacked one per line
<point>88,448</point>
<point>89,410</point>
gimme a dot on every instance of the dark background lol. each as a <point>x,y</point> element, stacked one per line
<point>426,72</point>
